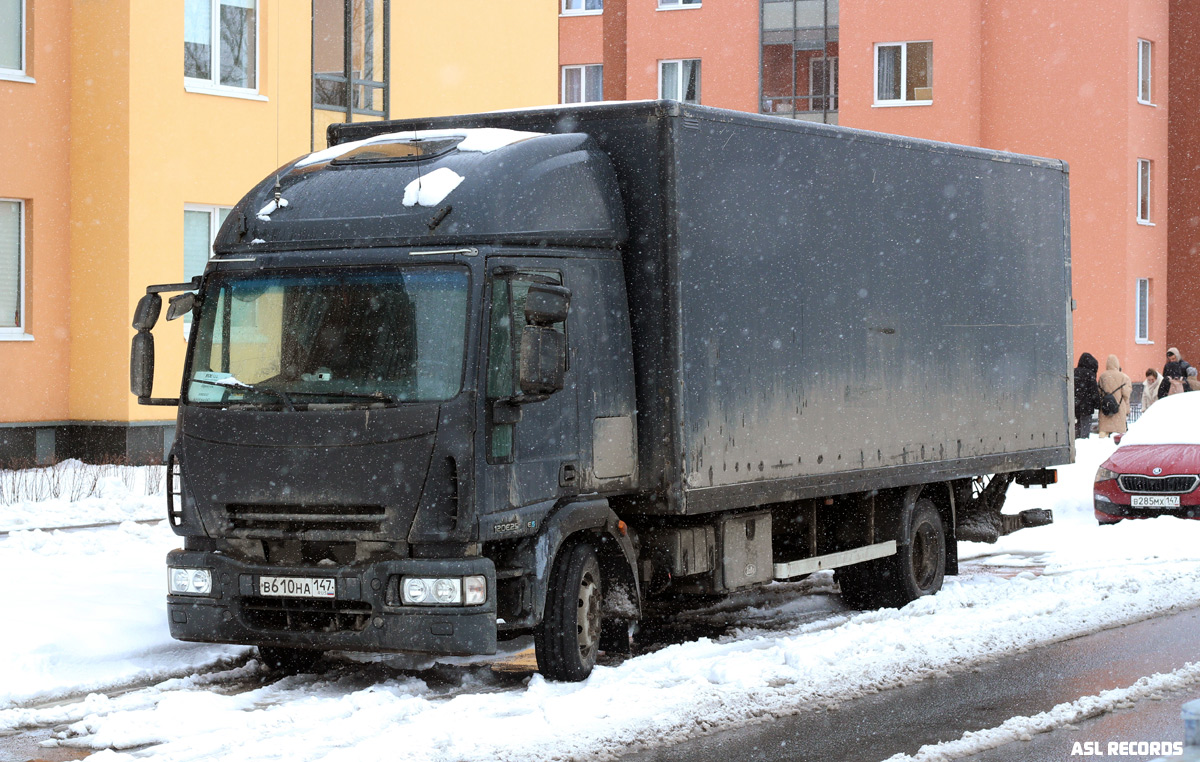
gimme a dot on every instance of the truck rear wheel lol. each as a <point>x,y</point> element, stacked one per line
<point>919,565</point>
<point>917,568</point>
<point>568,639</point>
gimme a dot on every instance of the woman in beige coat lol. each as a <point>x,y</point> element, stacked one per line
<point>1113,381</point>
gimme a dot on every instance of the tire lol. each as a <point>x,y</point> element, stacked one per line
<point>288,660</point>
<point>568,639</point>
<point>919,565</point>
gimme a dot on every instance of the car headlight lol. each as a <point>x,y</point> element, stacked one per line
<point>443,591</point>
<point>1103,474</point>
<point>183,581</point>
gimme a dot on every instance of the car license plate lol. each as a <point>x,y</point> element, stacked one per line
<point>1156,501</point>
<point>297,587</point>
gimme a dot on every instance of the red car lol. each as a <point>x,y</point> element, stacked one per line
<point>1156,469</point>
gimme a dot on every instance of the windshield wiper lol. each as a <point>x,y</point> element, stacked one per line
<point>278,394</point>
<point>386,399</point>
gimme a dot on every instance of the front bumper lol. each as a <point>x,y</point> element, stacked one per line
<point>366,614</point>
<point>1107,511</point>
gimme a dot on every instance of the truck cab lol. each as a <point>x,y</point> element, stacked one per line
<point>391,411</point>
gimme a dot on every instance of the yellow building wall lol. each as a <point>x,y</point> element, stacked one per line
<point>143,147</point>
<point>198,148</point>
<point>473,55</point>
<point>100,197</point>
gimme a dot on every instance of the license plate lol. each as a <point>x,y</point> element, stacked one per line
<point>1155,501</point>
<point>297,587</point>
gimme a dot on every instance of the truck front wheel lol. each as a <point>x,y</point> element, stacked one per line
<point>568,639</point>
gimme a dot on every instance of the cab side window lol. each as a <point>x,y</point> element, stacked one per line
<point>509,291</point>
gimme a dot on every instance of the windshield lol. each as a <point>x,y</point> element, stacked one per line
<point>295,341</point>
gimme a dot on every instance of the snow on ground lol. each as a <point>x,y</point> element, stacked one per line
<point>91,610</point>
<point>87,610</point>
<point>117,493</point>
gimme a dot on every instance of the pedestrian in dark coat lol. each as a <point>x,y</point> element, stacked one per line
<point>1174,356</point>
<point>1087,394</point>
<point>1174,380</point>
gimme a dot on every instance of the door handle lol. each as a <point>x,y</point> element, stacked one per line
<point>568,475</point>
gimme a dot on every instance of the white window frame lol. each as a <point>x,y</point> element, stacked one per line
<point>19,75</point>
<point>1145,177</point>
<point>583,82</point>
<point>679,96</point>
<point>1141,312</point>
<point>17,332</point>
<point>677,5</point>
<point>212,85</point>
<point>214,224</point>
<point>1145,69</point>
<point>903,73</point>
<point>582,10</point>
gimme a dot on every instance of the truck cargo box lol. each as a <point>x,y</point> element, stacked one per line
<point>819,310</point>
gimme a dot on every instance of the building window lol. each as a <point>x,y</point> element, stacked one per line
<point>678,3</point>
<point>679,80</point>
<point>1145,59</point>
<point>822,83</point>
<point>572,7</point>
<point>220,43</point>
<point>12,269</point>
<point>12,37</point>
<point>1143,191</point>
<point>200,226</point>
<point>903,73</point>
<point>1142,330</point>
<point>583,84</point>
<point>799,76</point>
<point>351,57</point>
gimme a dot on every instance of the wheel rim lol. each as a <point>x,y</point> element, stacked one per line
<point>925,556</point>
<point>587,620</point>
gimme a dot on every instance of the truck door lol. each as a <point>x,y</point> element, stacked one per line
<point>532,443</point>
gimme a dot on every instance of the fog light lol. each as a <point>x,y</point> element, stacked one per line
<point>183,581</point>
<point>474,590</point>
<point>447,590</point>
<point>415,590</point>
<point>437,591</point>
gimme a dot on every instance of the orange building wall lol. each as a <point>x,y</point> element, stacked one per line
<point>35,123</point>
<point>723,35</point>
<point>1018,75</point>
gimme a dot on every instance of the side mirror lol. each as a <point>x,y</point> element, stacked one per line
<point>1117,438</point>
<point>141,365</point>
<point>547,304</point>
<point>543,360</point>
<point>146,313</point>
<point>183,304</point>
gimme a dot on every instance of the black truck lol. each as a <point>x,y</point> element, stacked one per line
<point>460,379</point>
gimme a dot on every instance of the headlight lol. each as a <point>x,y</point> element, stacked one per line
<point>1103,474</point>
<point>443,591</point>
<point>183,581</point>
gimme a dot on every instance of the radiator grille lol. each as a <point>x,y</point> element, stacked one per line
<point>303,615</point>
<point>1169,484</point>
<point>298,518</point>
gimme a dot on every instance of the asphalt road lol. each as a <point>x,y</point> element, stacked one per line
<point>942,709</point>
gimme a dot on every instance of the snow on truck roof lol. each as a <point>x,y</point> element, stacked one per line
<point>477,140</point>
